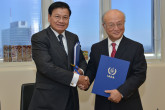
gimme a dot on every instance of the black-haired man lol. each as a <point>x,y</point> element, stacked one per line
<point>53,53</point>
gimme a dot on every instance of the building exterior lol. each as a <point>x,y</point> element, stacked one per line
<point>18,35</point>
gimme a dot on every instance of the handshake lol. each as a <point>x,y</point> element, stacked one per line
<point>83,82</point>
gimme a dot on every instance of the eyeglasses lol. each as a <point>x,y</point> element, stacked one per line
<point>111,26</point>
<point>64,18</point>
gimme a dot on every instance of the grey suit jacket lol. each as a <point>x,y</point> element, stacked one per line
<point>128,50</point>
<point>54,71</point>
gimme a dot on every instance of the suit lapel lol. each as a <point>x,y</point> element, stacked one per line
<point>104,47</point>
<point>57,45</point>
<point>122,48</point>
<point>70,44</point>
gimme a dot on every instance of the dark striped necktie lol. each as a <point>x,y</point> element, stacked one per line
<point>60,38</point>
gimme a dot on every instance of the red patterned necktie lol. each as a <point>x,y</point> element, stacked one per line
<point>113,50</point>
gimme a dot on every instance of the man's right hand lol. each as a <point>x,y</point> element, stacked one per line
<point>83,82</point>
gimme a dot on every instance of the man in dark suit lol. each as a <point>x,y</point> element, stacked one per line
<point>126,96</point>
<point>53,54</point>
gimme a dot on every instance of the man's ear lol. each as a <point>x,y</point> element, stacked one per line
<point>49,17</point>
<point>104,26</point>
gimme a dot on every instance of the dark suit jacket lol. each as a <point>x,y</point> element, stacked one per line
<point>54,71</point>
<point>130,51</point>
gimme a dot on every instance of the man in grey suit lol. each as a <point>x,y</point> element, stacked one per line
<point>126,96</point>
<point>53,54</point>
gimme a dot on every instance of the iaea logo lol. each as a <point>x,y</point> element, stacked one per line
<point>111,72</point>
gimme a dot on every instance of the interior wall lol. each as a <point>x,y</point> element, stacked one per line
<point>12,77</point>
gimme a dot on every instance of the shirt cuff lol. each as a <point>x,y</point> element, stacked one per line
<point>74,80</point>
<point>82,70</point>
<point>121,95</point>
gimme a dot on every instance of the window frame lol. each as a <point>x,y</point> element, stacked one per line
<point>157,55</point>
<point>159,25</point>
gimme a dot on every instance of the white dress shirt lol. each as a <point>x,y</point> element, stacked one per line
<point>110,46</point>
<point>116,47</point>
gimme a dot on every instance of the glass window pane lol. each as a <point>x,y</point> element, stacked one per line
<point>19,19</point>
<point>84,21</point>
<point>139,20</point>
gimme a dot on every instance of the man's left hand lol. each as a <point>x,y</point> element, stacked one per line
<point>115,95</point>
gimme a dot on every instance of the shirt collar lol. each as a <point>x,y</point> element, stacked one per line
<point>56,33</point>
<point>117,41</point>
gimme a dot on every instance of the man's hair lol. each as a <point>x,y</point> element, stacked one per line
<point>113,9</point>
<point>56,5</point>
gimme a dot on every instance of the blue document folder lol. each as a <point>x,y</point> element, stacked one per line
<point>77,53</point>
<point>111,73</point>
